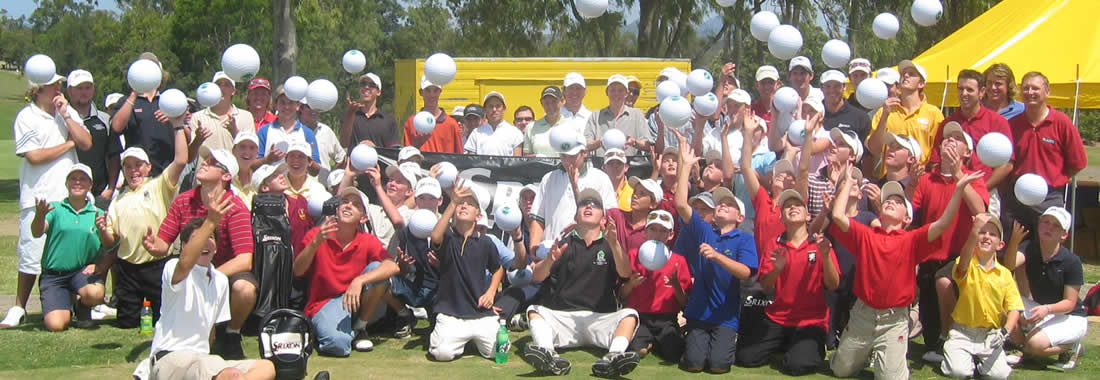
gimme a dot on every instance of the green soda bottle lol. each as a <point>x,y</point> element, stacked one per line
<point>502,346</point>
<point>146,318</point>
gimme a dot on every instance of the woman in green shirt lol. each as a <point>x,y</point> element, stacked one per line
<point>75,230</point>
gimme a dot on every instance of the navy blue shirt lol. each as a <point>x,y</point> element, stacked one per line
<point>424,275</point>
<point>145,132</point>
<point>1048,280</point>
<point>714,285</point>
<point>462,265</point>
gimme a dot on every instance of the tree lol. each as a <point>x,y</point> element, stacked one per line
<point>286,40</point>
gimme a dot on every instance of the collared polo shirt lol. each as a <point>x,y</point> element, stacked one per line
<point>328,146</point>
<point>631,122</point>
<point>380,128</point>
<point>105,144</point>
<point>577,120</point>
<point>133,211</point>
<point>930,199</point>
<point>985,121</point>
<point>1015,107</point>
<point>35,129</point>
<point>537,138</point>
<point>884,275</point>
<point>555,205</point>
<point>221,137</point>
<point>309,188</point>
<point>245,191</point>
<point>854,101</point>
<point>423,274</point>
<point>234,232</point>
<point>273,133</point>
<point>190,308</point>
<point>462,265</point>
<point>583,278</point>
<point>624,193</point>
<point>267,119</point>
<point>630,237</point>
<point>1048,279</point>
<point>715,297</point>
<point>819,185</point>
<point>334,266</point>
<point>800,288</point>
<point>445,138</point>
<point>922,124</point>
<point>655,294</point>
<point>72,241</point>
<point>761,109</point>
<point>500,141</point>
<point>144,131</point>
<point>1051,149</point>
<point>767,226</point>
<point>849,117</point>
<point>985,295</point>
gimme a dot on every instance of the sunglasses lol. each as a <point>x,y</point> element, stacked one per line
<point>661,217</point>
<point>590,202</point>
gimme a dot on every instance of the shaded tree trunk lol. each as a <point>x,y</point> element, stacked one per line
<point>286,41</point>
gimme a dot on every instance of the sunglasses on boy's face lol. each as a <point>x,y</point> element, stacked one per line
<point>661,217</point>
<point>589,202</point>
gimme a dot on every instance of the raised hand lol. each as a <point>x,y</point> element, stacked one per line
<point>218,205</point>
<point>202,132</point>
<point>459,191</point>
<point>709,252</point>
<point>1019,232</point>
<point>872,191</point>
<point>434,261</point>
<point>778,258</point>
<point>556,251</point>
<point>60,104</point>
<point>328,229</point>
<point>42,207</point>
<point>610,230</point>
<point>635,279</point>
<point>979,221</point>
<point>824,246</point>
<point>374,175</point>
<point>405,258</point>
<point>673,278</point>
<point>967,179</point>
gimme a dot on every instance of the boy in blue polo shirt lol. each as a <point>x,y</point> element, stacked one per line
<point>720,257</point>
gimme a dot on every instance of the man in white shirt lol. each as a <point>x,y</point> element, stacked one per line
<point>496,137</point>
<point>194,297</point>
<point>328,145</point>
<point>224,120</point>
<point>555,205</point>
<point>573,112</point>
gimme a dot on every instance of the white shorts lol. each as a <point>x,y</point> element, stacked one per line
<point>448,340</point>
<point>28,248</point>
<point>995,203</point>
<point>582,328</point>
<point>1060,329</point>
<point>187,365</point>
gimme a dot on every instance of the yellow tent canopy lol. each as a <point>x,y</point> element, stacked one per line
<point>1060,38</point>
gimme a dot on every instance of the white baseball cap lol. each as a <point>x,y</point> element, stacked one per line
<point>80,168</point>
<point>575,146</point>
<point>262,173</point>
<point>767,72</point>
<point>1062,215</point>
<point>335,177</point>
<point>789,194</point>
<point>573,78</point>
<point>430,186</point>
<point>909,143</point>
<point>373,78</point>
<point>704,197</point>
<point>243,136</point>
<point>894,188</point>
<point>859,64</point>
<point>408,152</point>
<point>722,193</point>
<point>56,78</point>
<point>667,72</point>
<point>76,77</point>
<point>618,78</point>
<point>836,135</point>
<point>920,69</point>
<point>740,96</point>
<point>425,83</point>
<point>458,111</point>
<point>533,188</point>
<point>222,75</point>
<point>111,99</point>
<point>800,61</point>
<point>833,75</point>
<point>816,99</point>
<point>134,152</point>
<point>659,217</point>
<point>302,147</point>
<point>410,176</point>
<point>614,154</point>
<point>888,75</point>
<point>648,185</point>
<point>351,190</point>
<point>493,94</point>
<point>221,156</point>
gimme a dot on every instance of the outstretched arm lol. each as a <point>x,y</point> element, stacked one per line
<point>952,209</point>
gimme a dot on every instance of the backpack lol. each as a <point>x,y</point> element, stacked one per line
<point>287,339</point>
<point>273,259</point>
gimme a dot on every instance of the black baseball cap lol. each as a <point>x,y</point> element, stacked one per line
<point>551,91</point>
<point>474,109</point>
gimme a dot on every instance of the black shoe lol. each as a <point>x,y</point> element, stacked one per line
<point>546,361</point>
<point>405,323</point>
<point>231,347</point>
<point>616,364</point>
<point>323,375</point>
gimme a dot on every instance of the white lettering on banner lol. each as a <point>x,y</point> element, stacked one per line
<point>286,343</point>
<point>750,301</point>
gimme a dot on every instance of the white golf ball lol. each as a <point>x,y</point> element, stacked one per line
<point>296,88</point>
<point>422,222</point>
<point>364,157</point>
<point>543,250</point>
<point>424,122</point>
<point>208,94</point>
<point>322,95</point>
<point>926,12</point>
<point>872,93</point>
<point>354,61</point>
<point>653,254</point>
<point>440,69</point>
<point>762,24</point>
<point>785,99</point>
<point>614,139</point>
<point>520,277</point>
<point>699,82</point>
<point>667,88</point>
<point>885,25</point>
<point>240,62</point>
<point>706,104</point>
<point>1031,189</point>
<point>316,204</point>
<point>40,68</point>
<point>784,42</point>
<point>680,78</point>
<point>591,8</point>
<point>994,149</point>
<point>143,76</point>
<point>507,216</point>
<point>836,53</point>
<point>675,111</point>
<point>173,103</point>
<point>796,133</point>
<point>447,174</point>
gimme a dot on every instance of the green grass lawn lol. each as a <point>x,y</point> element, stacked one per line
<point>12,88</point>
<point>108,352</point>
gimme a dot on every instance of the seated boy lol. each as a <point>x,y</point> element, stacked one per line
<point>658,295</point>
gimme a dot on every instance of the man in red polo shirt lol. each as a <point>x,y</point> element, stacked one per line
<point>930,198</point>
<point>658,295</point>
<point>977,120</point>
<point>884,278</point>
<point>258,101</point>
<point>1046,143</point>
<point>767,82</point>
<point>799,268</point>
<point>447,135</point>
<point>234,238</point>
<point>348,271</point>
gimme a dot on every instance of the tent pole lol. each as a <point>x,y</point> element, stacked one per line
<point>946,81</point>
<point>1076,97</point>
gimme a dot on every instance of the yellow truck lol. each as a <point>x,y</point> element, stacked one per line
<point>521,80</point>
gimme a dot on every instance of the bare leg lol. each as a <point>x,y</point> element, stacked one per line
<point>261,370</point>
<point>242,297</point>
<point>369,300</point>
<point>945,292</point>
<point>23,288</point>
<point>57,320</point>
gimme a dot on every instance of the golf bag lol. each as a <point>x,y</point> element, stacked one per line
<point>273,260</point>
<point>287,339</point>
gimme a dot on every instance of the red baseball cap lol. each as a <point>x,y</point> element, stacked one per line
<point>259,82</point>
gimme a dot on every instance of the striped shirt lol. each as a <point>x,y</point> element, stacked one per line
<point>234,232</point>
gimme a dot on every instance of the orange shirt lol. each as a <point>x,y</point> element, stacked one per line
<point>445,138</point>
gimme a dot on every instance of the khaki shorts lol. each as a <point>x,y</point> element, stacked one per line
<point>878,336</point>
<point>189,365</point>
<point>582,328</point>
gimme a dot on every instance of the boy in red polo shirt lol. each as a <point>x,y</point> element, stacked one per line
<point>658,295</point>
<point>884,278</point>
<point>800,267</point>
<point>348,270</point>
<point>447,135</point>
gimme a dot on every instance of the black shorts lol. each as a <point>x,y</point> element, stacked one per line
<point>663,332</point>
<point>709,347</point>
<point>56,289</point>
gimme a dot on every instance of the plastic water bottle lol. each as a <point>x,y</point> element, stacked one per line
<point>502,346</point>
<point>146,318</point>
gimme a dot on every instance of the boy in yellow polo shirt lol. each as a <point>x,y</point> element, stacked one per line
<point>908,115</point>
<point>988,308</point>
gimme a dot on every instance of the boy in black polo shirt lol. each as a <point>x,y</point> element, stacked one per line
<point>578,306</point>
<point>464,302</point>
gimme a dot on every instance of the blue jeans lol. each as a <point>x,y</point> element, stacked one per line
<point>333,323</point>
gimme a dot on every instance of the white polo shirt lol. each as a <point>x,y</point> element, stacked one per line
<point>190,308</point>
<point>501,141</point>
<point>35,129</point>
<point>555,204</point>
<point>575,120</point>
<point>328,146</point>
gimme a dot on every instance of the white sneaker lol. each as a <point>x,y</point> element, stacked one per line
<point>101,311</point>
<point>362,343</point>
<point>14,317</point>
<point>1013,359</point>
<point>932,357</point>
<point>1068,360</point>
<point>420,313</point>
